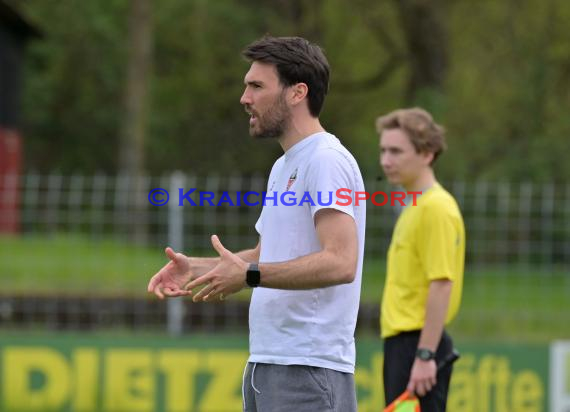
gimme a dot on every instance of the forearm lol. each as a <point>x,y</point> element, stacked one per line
<point>202,265</point>
<point>317,270</point>
<point>249,255</point>
<point>436,313</point>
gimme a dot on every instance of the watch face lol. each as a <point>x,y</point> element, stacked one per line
<point>425,354</point>
<point>253,276</point>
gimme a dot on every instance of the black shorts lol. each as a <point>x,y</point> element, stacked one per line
<point>399,356</point>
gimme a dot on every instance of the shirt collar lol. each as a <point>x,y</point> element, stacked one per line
<point>300,145</point>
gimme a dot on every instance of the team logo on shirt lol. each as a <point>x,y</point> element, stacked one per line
<point>292,179</point>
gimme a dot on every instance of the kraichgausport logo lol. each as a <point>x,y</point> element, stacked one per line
<point>340,197</point>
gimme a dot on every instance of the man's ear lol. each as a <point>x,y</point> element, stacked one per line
<point>298,92</point>
<point>428,157</point>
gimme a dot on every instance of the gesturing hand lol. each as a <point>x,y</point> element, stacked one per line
<point>227,277</point>
<point>171,279</point>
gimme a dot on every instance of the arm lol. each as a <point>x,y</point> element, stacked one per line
<point>334,264</point>
<point>202,265</point>
<point>423,374</point>
<point>436,312</point>
<point>250,255</point>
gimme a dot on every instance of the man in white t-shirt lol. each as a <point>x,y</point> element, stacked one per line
<point>306,269</point>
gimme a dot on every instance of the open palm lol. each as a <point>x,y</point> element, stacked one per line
<point>171,279</point>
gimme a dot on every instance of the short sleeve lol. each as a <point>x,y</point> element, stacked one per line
<point>259,223</point>
<point>274,171</point>
<point>439,238</point>
<point>330,171</point>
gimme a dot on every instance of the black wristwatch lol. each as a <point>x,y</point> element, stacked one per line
<point>425,354</point>
<point>253,276</point>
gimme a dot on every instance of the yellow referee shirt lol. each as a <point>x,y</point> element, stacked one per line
<point>428,243</point>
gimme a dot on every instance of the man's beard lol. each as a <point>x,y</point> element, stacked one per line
<point>274,121</point>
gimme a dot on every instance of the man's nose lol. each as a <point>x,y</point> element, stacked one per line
<point>245,98</point>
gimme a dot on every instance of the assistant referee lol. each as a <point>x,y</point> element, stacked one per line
<point>425,262</point>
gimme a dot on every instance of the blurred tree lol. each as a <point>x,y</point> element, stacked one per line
<point>135,120</point>
<point>198,124</point>
<point>497,74</point>
<point>376,21</point>
<point>509,115</point>
<point>74,85</point>
<point>139,62</point>
<point>424,27</point>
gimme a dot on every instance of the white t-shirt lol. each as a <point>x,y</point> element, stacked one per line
<point>306,327</point>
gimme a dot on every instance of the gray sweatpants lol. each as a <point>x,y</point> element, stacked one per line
<point>298,388</point>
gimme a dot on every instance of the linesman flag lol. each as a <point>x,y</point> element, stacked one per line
<point>404,403</point>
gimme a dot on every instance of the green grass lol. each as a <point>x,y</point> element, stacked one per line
<point>506,302</point>
<point>75,265</point>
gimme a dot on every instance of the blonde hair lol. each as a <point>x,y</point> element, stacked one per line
<point>426,135</point>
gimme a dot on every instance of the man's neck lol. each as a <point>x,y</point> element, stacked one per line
<point>299,130</point>
<point>422,183</point>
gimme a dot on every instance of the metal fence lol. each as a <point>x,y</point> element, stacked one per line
<point>518,238</point>
<point>523,223</point>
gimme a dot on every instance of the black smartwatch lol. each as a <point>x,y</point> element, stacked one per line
<point>253,276</point>
<point>425,354</point>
